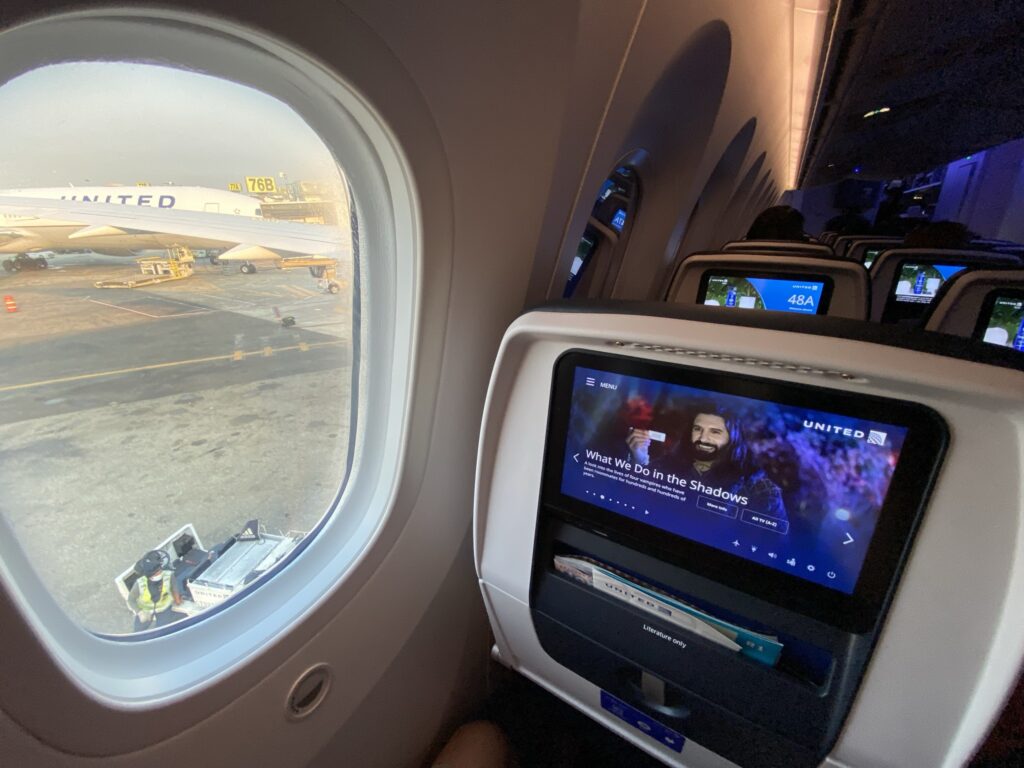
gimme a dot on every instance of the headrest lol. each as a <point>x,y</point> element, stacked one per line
<point>778,246</point>
<point>859,246</point>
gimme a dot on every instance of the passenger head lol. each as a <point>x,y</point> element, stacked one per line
<point>939,234</point>
<point>715,435</point>
<point>780,222</point>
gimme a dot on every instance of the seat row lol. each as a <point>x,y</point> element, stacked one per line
<point>970,293</point>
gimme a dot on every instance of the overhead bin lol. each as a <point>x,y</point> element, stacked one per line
<point>738,544</point>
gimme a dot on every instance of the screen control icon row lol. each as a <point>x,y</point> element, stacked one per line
<point>790,561</point>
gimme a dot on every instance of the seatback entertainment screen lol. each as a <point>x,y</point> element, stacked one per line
<point>808,296</point>
<point>804,496</point>
<point>794,489</point>
<point>915,286</point>
<point>1002,320</point>
<point>918,283</point>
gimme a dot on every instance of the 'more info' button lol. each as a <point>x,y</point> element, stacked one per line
<point>716,506</point>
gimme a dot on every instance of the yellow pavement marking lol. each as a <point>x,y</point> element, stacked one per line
<point>157,366</point>
<point>268,351</point>
<point>303,346</point>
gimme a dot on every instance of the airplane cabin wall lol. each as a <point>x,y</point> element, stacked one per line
<point>694,76</point>
<point>510,119</point>
<point>409,642</point>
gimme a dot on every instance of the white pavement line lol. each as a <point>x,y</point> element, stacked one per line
<point>227,298</point>
<point>158,297</point>
<point>147,314</point>
<point>236,355</point>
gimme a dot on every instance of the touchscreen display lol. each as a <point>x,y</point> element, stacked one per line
<point>870,255</point>
<point>918,283</point>
<point>619,219</point>
<point>780,294</point>
<point>787,487</point>
<point>1005,323</point>
<point>606,190</point>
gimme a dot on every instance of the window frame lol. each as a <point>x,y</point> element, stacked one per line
<point>158,667</point>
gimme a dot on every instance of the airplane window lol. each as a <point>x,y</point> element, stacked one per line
<point>178,325</point>
<point>613,210</point>
<point>585,250</point>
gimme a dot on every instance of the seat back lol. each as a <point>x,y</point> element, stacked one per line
<point>799,284</point>
<point>842,243</point>
<point>985,304</point>
<point>866,250</point>
<point>905,280</point>
<point>624,579</point>
<point>819,250</point>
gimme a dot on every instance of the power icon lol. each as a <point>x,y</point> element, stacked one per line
<point>831,574</point>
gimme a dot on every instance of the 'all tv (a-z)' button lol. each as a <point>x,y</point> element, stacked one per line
<point>765,521</point>
<point>714,505</point>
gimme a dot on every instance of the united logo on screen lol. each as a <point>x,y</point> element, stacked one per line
<point>875,437</point>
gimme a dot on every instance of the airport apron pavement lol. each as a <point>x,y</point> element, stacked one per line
<point>176,355</point>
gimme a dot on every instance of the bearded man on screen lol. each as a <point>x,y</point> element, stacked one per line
<point>716,454</point>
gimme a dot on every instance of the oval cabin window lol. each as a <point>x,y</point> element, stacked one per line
<point>177,337</point>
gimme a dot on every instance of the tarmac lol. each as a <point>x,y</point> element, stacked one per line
<point>127,413</point>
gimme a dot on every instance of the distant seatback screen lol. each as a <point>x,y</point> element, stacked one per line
<point>619,220</point>
<point>870,255</point>
<point>807,296</point>
<point>918,283</point>
<point>1003,321</point>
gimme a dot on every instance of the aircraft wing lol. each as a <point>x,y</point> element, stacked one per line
<point>9,234</point>
<point>184,228</point>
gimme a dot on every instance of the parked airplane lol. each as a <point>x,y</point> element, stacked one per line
<point>163,197</point>
<point>122,221</point>
<point>849,595</point>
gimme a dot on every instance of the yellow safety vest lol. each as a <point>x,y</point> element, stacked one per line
<point>145,602</point>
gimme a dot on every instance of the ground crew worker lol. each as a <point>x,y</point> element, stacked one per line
<point>152,597</point>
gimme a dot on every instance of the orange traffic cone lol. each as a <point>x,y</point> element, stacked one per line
<point>10,304</point>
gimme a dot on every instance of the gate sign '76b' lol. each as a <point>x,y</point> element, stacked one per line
<point>260,184</point>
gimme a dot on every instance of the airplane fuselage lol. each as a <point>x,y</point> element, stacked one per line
<point>26,233</point>
<point>52,235</point>
<point>169,197</point>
